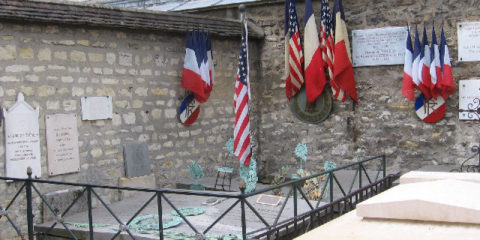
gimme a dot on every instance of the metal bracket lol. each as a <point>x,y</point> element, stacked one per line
<point>123,227</point>
<point>60,219</point>
<point>3,212</point>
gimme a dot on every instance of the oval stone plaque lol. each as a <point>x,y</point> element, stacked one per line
<point>313,113</point>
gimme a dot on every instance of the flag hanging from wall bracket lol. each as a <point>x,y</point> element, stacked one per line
<point>198,75</point>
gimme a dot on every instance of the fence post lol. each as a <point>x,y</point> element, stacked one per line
<point>160,213</point>
<point>330,181</point>
<point>295,197</point>
<point>28,190</point>
<point>384,165</point>
<point>90,218</point>
<point>242,208</point>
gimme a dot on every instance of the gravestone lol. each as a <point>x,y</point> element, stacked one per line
<point>22,140</point>
<point>62,144</point>
<point>137,160</point>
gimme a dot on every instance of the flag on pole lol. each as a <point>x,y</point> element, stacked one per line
<point>293,51</point>
<point>314,67</point>
<point>211,68</point>
<point>424,67</point>
<point>327,50</point>
<point>416,59</point>
<point>435,68</point>
<point>342,67</point>
<point>447,85</point>
<point>408,89</point>
<point>204,68</point>
<point>191,77</point>
<point>241,135</point>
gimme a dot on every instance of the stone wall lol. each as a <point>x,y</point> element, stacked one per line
<point>383,121</point>
<point>55,65</point>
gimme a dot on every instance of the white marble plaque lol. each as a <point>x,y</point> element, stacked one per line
<point>468,41</point>
<point>22,140</point>
<point>96,108</point>
<point>62,144</point>
<point>469,99</point>
<point>379,46</point>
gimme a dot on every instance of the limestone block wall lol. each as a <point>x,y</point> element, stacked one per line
<point>383,121</point>
<point>55,65</point>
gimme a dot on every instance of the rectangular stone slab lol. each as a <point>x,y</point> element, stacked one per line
<point>421,176</point>
<point>137,160</point>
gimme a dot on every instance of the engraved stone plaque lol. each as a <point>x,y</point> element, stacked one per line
<point>22,140</point>
<point>468,41</point>
<point>62,144</point>
<point>469,99</point>
<point>96,108</point>
<point>137,161</point>
<point>379,46</point>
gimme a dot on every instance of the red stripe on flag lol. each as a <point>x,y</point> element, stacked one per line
<point>343,71</point>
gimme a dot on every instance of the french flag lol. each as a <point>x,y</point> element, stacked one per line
<point>342,68</point>
<point>211,68</point>
<point>191,77</point>
<point>424,68</point>
<point>408,89</point>
<point>315,79</point>
<point>204,68</point>
<point>435,68</point>
<point>447,85</point>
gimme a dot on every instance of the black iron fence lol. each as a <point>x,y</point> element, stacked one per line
<point>368,177</point>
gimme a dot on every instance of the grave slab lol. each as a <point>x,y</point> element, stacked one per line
<point>422,176</point>
<point>438,201</point>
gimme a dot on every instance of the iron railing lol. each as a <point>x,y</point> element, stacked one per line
<point>325,208</point>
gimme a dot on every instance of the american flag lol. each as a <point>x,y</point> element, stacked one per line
<point>241,135</point>
<point>293,51</point>
<point>327,49</point>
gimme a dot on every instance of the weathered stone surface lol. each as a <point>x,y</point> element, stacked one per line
<point>137,160</point>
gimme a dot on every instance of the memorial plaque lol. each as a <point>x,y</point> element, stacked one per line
<point>137,161</point>
<point>469,99</point>
<point>96,108</point>
<point>22,140</point>
<point>62,144</point>
<point>468,41</point>
<point>270,200</point>
<point>379,46</point>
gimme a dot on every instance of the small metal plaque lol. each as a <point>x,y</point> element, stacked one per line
<point>468,41</point>
<point>96,108</point>
<point>62,144</point>
<point>312,113</point>
<point>379,46</point>
<point>469,99</point>
<point>270,200</point>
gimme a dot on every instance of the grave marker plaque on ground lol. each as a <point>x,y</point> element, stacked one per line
<point>62,144</point>
<point>137,161</point>
<point>22,140</point>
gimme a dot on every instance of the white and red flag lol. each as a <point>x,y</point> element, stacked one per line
<point>342,63</point>
<point>327,44</point>
<point>241,135</point>
<point>293,51</point>
<point>424,67</point>
<point>408,88</point>
<point>447,85</point>
<point>417,49</point>
<point>314,67</point>
<point>211,68</point>
<point>435,68</point>
<point>191,77</point>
